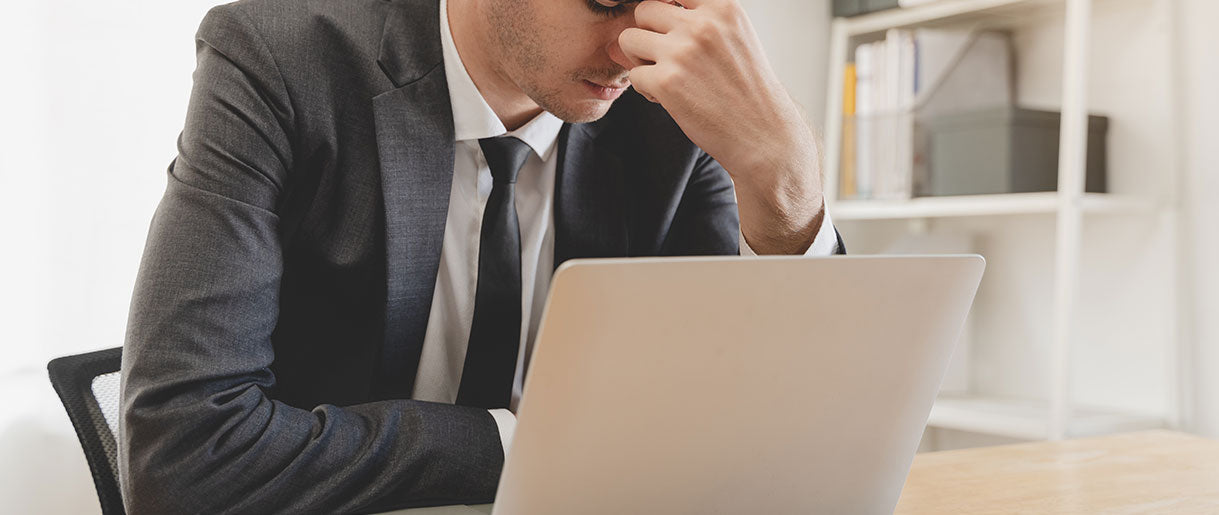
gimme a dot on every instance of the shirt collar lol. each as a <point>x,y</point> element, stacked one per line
<point>473,118</point>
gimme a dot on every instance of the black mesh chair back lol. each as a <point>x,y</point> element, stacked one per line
<point>88,385</point>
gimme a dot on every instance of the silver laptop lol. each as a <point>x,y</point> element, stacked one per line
<point>733,385</point>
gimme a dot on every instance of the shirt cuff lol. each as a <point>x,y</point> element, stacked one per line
<point>824,244</point>
<point>505,421</point>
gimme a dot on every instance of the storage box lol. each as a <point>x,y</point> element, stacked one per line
<point>878,5</point>
<point>1003,150</point>
<point>847,7</point>
<point>854,7</point>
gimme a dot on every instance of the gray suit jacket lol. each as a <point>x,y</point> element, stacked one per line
<point>284,291</point>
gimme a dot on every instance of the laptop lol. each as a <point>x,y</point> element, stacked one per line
<point>732,385</point>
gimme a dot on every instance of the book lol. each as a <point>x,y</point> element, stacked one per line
<point>846,184</point>
<point>864,102</point>
<point>902,172</point>
<point>894,120</point>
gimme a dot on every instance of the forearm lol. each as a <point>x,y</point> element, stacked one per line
<point>780,197</point>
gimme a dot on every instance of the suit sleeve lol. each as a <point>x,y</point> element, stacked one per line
<point>201,431</point>
<point>707,221</point>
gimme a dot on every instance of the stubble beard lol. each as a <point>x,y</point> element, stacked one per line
<point>522,47</point>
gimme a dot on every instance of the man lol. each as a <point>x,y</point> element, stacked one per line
<point>341,285</point>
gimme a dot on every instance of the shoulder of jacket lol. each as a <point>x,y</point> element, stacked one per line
<point>309,23</point>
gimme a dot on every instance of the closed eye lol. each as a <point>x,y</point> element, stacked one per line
<point>610,8</point>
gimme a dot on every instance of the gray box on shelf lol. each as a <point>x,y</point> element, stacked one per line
<point>848,7</point>
<point>854,7</point>
<point>1004,150</point>
<point>878,5</point>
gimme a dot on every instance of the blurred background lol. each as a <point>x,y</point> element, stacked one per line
<point>951,126</point>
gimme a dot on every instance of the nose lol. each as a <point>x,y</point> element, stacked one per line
<point>617,55</point>
<point>613,48</point>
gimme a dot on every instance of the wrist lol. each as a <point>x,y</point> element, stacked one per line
<point>781,207</point>
<point>779,220</point>
<point>784,185</point>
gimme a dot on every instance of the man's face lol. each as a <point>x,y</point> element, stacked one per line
<point>563,53</point>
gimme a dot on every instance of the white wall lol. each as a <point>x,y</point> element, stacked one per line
<point>1200,64</point>
<point>796,36</point>
<point>92,100</point>
<point>95,113</point>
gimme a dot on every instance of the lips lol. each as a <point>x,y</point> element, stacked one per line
<point>605,92</point>
<point>621,85</point>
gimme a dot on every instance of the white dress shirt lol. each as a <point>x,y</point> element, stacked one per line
<point>452,313</point>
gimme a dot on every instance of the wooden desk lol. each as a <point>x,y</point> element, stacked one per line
<point>1145,472</point>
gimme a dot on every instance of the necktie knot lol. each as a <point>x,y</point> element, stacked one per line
<point>505,156</point>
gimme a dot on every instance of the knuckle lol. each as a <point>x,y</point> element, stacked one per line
<point>689,49</point>
<point>688,53</point>
<point>669,80</point>
<point>708,29</point>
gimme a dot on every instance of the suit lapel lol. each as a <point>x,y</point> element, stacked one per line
<point>589,212</point>
<point>414,124</point>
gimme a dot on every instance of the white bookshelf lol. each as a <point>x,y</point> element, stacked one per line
<point>986,205</point>
<point>1054,414</point>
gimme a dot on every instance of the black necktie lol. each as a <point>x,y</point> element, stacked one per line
<point>495,335</point>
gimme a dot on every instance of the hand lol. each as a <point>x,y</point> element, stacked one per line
<point>704,64</point>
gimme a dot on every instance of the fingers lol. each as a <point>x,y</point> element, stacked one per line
<point>647,80</point>
<point>641,46</point>
<point>659,16</point>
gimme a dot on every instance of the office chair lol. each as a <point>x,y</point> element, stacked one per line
<point>88,385</point>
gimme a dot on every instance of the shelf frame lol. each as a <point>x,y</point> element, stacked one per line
<point>1056,418</point>
<point>1072,167</point>
<point>1040,203</point>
